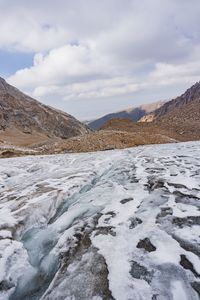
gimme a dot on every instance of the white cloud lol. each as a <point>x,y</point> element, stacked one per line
<point>167,74</point>
<point>102,49</point>
<point>93,89</point>
<point>64,64</point>
<point>34,26</point>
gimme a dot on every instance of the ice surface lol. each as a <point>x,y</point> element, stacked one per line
<point>118,225</point>
<point>178,291</point>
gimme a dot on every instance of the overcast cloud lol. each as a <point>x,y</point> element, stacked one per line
<point>92,57</point>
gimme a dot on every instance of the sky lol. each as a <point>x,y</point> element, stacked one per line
<point>92,57</point>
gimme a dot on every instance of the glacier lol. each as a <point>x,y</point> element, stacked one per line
<point>119,224</point>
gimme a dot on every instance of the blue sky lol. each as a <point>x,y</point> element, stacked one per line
<point>13,61</point>
<point>91,57</point>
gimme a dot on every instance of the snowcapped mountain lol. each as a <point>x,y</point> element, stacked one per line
<point>117,225</point>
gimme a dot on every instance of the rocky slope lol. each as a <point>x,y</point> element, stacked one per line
<point>177,119</point>
<point>25,121</point>
<point>183,122</point>
<point>179,103</point>
<point>143,133</point>
<point>108,139</point>
<point>135,114</point>
<point>101,226</point>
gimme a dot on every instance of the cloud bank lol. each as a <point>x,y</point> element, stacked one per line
<point>90,49</point>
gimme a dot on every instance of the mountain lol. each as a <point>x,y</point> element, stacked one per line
<point>181,116</point>
<point>178,103</point>
<point>25,121</point>
<point>178,119</point>
<point>134,113</point>
<point>182,123</point>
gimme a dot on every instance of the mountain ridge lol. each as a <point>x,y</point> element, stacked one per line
<point>188,96</point>
<point>179,123</point>
<point>29,119</point>
<point>178,119</point>
<point>132,113</point>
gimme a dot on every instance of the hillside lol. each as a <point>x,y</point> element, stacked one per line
<point>177,119</point>
<point>25,121</point>
<point>135,114</point>
<point>192,94</point>
<point>184,121</point>
<point>115,134</point>
<point>144,133</point>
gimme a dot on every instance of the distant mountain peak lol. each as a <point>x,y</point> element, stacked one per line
<point>132,113</point>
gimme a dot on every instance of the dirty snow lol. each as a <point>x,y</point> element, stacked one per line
<point>118,225</point>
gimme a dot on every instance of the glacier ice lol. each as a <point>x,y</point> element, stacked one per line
<point>120,224</point>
